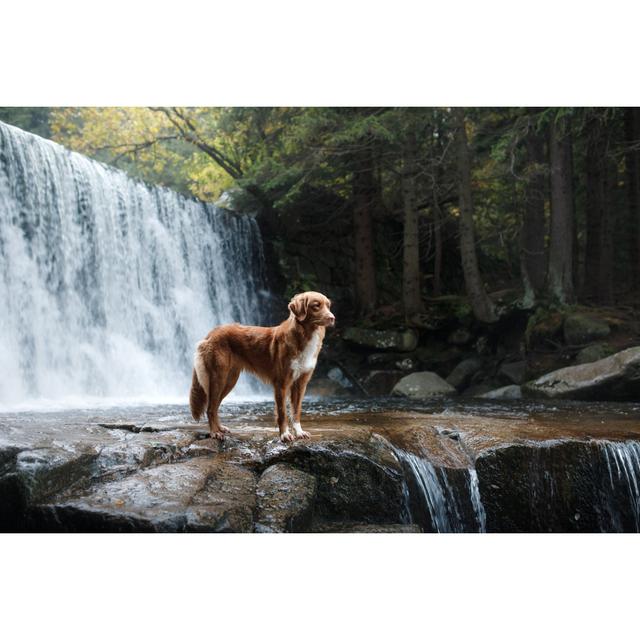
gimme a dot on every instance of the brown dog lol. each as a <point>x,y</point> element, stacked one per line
<point>284,356</point>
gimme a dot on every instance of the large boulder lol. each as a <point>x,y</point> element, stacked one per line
<point>463,372</point>
<point>423,384</point>
<point>392,340</point>
<point>285,499</point>
<point>580,328</point>
<point>614,378</point>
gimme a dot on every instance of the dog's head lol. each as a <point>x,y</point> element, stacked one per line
<point>312,308</point>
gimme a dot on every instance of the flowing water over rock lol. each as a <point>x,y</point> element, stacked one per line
<point>443,507</point>
<point>623,464</point>
<point>107,283</point>
<point>383,465</point>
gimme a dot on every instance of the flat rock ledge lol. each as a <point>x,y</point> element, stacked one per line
<point>364,472</point>
<point>125,477</point>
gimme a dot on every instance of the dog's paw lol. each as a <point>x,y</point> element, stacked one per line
<point>287,436</point>
<point>299,433</point>
<point>225,429</point>
<point>218,435</point>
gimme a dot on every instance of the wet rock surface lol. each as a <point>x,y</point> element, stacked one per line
<point>381,466</point>
<point>202,494</point>
<point>285,499</point>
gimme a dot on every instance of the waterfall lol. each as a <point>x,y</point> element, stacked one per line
<point>476,501</point>
<point>452,504</point>
<point>623,464</point>
<point>106,283</point>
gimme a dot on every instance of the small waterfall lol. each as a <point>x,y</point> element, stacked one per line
<point>452,503</point>
<point>106,284</point>
<point>476,501</point>
<point>623,464</point>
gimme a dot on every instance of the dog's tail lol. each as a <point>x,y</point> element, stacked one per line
<point>199,386</point>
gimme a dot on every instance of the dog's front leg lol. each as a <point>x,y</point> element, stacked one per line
<point>297,394</point>
<point>281,393</point>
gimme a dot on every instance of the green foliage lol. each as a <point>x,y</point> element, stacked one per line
<point>34,119</point>
<point>301,166</point>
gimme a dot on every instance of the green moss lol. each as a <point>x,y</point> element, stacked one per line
<point>545,324</point>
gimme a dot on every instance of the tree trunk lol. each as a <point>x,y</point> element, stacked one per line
<point>480,301</point>
<point>533,231</point>
<point>632,162</point>
<point>561,249</point>
<point>601,186</point>
<point>605,275</point>
<point>437,256</point>
<point>364,194</point>
<point>411,289</point>
<point>595,206</point>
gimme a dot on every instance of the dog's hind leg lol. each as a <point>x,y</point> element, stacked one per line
<point>217,383</point>
<point>232,379</point>
<point>219,388</point>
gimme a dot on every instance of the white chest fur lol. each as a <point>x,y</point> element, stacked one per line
<point>305,361</point>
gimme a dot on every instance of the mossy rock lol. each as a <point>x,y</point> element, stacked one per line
<point>581,328</point>
<point>544,325</point>
<point>594,352</point>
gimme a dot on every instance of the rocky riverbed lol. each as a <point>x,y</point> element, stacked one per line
<point>387,465</point>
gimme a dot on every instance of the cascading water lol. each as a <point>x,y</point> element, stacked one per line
<point>107,284</point>
<point>451,508</point>
<point>623,465</point>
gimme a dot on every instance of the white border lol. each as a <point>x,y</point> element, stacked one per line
<point>335,52</point>
<point>319,586</point>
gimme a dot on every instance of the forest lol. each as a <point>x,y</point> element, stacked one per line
<point>388,208</point>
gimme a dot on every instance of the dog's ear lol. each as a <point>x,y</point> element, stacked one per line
<point>298,306</point>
